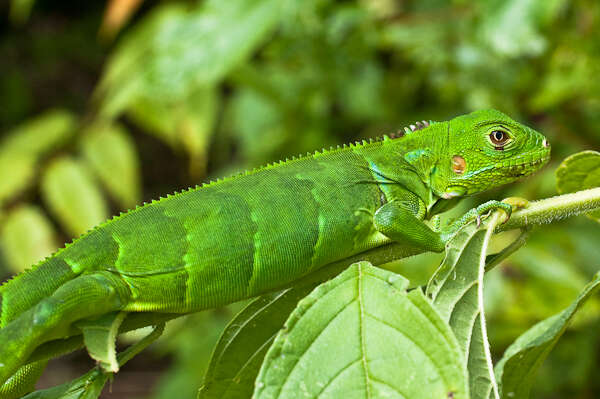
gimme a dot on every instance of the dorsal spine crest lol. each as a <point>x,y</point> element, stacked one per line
<point>399,134</point>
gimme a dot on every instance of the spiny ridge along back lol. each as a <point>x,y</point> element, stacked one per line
<point>409,129</point>
<point>400,133</point>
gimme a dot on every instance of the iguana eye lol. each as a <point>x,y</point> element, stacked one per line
<point>499,138</point>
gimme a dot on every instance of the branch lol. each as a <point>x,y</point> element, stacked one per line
<point>555,208</point>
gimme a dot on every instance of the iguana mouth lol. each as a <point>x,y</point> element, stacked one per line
<point>514,169</point>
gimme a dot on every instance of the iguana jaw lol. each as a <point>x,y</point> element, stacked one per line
<point>517,168</point>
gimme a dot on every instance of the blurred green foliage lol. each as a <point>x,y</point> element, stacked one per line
<point>580,171</point>
<point>192,90</point>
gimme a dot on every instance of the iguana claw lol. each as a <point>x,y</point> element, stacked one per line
<point>482,210</point>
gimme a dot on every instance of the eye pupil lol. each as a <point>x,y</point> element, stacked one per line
<point>498,137</point>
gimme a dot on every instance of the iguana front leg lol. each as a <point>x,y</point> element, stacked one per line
<point>400,221</point>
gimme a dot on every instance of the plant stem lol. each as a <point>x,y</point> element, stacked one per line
<point>495,218</point>
<point>555,208</point>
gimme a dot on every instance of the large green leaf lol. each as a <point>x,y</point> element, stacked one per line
<point>363,335</point>
<point>27,237</point>
<point>579,172</point>
<point>111,154</point>
<point>73,196</point>
<point>454,291</point>
<point>180,48</point>
<point>23,146</point>
<point>517,368</point>
<point>241,349</point>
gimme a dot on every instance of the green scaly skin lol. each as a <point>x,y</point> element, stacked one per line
<point>256,232</point>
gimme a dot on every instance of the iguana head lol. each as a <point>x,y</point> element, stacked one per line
<point>487,149</point>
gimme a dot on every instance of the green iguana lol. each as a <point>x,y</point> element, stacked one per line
<point>245,235</point>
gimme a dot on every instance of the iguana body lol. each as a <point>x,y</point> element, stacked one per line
<point>248,234</point>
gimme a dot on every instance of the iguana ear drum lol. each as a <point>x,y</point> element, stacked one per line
<point>458,164</point>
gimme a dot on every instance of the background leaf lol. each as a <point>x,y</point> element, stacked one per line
<point>73,196</point>
<point>184,125</point>
<point>23,146</point>
<point>27,237</point>
<point>179,49</point>
<point>116,14</point>
<point>579,172</point>
<point>16,173</point>
<point>238,356</point>
<point>112,156</point>
<point>522,359</point>
<point>190,361</point>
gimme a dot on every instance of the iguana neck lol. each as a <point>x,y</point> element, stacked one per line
<point>412,163</point>
<point>427,150</point>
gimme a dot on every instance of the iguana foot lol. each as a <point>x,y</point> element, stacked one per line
<point>485,209</point>
<point>476,214</point>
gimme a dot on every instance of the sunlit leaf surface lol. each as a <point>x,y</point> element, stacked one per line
<point>73,196</point>
<point>27,236</point>
<point>341,339</point>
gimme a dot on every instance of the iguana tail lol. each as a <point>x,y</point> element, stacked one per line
<point>41,304</point>
<point>16,296</point>
<point>93,251</point>
<point>28,288</point>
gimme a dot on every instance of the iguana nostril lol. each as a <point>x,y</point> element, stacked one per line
<point>545,143</point>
